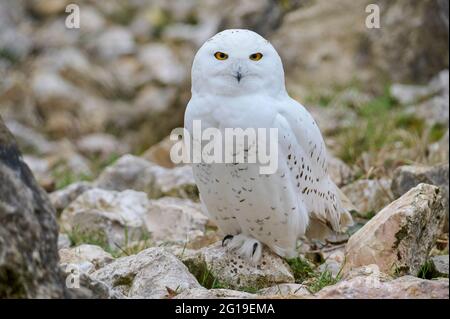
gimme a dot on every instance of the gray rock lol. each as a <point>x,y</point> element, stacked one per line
<point>175,220</point>
<point>439,151</point>
<point>82,285</point>
<point>372,284</point>
<point>400,237</point>
<point>86,257</point>
<point>28,231</point>
<point>63,241</point>
<point>435,110</point>
<point>113,42</point>
<point>128,172</point>
<point>202,293</point>
<point>407,177</point>
<point>334,261</point>
<point>339,172</point>
<point>101,145</point>
<point>407,94</point>
<point>150,274</point>
<point>113,218</point>
<point>369,195</point>
<point>131,172</point>
<point>440,266</point>
<point>285,290</point>
<point>168,70</point>
<point>232,271</point>
<point>62,198</point>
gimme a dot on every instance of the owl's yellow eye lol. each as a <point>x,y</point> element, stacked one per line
<point>256,56</point>
<point>221,56</point>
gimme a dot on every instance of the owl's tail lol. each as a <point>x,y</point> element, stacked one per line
<point>321,229</point>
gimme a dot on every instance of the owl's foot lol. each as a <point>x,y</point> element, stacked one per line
<point>226,239</point>
<point>245,246</point>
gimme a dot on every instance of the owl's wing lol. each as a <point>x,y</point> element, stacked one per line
<point>306,156</point>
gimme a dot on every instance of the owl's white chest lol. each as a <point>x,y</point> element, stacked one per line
<point>237,197</point>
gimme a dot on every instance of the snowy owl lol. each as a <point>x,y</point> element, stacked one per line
<point>238,82</point>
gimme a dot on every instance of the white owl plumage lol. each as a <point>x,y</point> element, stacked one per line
<point>251,209</point>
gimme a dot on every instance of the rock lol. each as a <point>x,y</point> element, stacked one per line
<point>408,94</point>
<point>399,238</point>
<point>47,8</point>
<point>232,271</point>
<point>130,172</point>
<point>160,153</point>
<point>168,70</point>
<point>82,285</point>
<point>29,139</point>
<point>174,219</point>
<point>202,293</point>
<point>28,231</point>
<point>177,182</point>
<point>331,120</point>
<point>439,266</point>
<point>93,21</point>
<point>405,28</point>
<point>87,258</point>
<point>369,195</point>
<point>439,151</point>
<point>352,50</point>
<point>113,218</point>
<point>339,172</point>
<point>113,42</point>
<point>41,170</point>
<point>407,177</point>
<point>63,241</point>
<point>333,263</point>
<point>285,290</point>
<point>60,199</point>
<point>102,145</point>
<point>155,100</point>
<point>15,42</point>
<point>148,274</point>
<point>375,285</point>
<point>53,92</point>
<point>435,110</point>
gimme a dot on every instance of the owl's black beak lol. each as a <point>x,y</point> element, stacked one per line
<point>238,76</point>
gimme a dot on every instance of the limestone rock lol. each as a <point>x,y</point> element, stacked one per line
<point>148,274</point>
<point>285,290</point>
<point>28,231</point>
<point>202,293</point>
<point>369,195</point>
<point>234,272</point>
<point>399,238</point>
<point>131,172</point>
<point>128,172</point>
<point>376,285</point>
<point>174,219</point>
<point>63,241</point>
<point>440,265</point>
<point>407,177</point>
<point>102,145</point>
<point>112,217</point>
<point>60,199</point>
<point>339,172</point>
<point>86,257</point>
<point>160,153</point>
<point>113,42</point>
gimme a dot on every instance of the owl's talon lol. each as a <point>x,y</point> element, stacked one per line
<point>224,240</point>
<point>255,246</point>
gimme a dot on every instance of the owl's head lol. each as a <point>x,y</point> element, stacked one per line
<point>237,62</point>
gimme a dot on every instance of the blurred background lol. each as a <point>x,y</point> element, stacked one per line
<point>78,99</point>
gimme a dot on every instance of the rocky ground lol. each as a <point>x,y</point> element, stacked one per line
<point>91,110</point>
